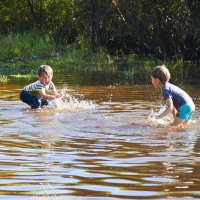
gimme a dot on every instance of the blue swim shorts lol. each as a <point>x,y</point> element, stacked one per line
<point>185,112</point>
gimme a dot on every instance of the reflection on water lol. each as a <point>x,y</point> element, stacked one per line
<point>99,144</point>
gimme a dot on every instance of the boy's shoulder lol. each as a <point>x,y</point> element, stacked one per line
<point>35,83</point>
<point>51,86</point>
<point>170,86</point>
<point>173,88</point>
<point>166,86</point>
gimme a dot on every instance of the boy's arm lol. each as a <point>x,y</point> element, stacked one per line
<point>169,109</point>
<point>47,96</point>
<point>56,94</point>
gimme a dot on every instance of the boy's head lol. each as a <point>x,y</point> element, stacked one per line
<point>45,74</point>
<point>162,73</point>
<point>45,69</point>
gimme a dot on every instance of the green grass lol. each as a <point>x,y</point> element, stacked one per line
<point>25,76</point>
<point>25,45</point>
<point>3,79</point>
<point>22,53</point>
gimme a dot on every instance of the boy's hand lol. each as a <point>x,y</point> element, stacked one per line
<point>61,95</point>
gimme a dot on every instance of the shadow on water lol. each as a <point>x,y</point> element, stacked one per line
<point>98,144</point>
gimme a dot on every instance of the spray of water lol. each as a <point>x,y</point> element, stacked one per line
<point>165,121</point>
<point>70,103</point>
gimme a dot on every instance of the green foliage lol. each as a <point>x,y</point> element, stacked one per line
<point>3,79</point>
<point>26,45</point>
<point>23,53</point>
<point>164,29</point>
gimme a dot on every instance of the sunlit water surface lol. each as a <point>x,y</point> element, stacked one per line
<point>100,143</point>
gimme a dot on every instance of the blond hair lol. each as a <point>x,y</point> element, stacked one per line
<point>162,73</point>
<point>45,69</point>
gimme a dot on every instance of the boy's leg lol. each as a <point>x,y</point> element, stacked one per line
<point>178,121</point>
<point>44,102</point>
<point>184,114</point>
<point>31,100</point>
<point>174,112</point>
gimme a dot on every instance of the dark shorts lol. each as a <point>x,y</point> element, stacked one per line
<point>32,101</point>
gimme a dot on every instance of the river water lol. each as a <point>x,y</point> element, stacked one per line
<point>99,143</point>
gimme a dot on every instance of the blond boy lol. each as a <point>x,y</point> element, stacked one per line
<point>36,94</point>
<point>178,102</point>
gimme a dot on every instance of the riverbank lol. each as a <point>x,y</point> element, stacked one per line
<point>21,54</point>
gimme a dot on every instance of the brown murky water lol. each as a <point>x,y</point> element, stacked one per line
<point>100,144</point>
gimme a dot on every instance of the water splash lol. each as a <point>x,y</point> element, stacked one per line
<point>71,103</point>
<point>165,121</point>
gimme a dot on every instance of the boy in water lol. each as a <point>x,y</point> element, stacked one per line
<point>178,102</point>
<point>35,94</point>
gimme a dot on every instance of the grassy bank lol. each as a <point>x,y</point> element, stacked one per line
<point>21,54</point>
